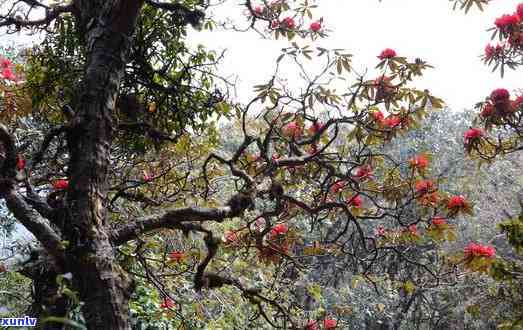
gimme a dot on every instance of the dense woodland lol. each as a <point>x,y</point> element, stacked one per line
<point>156,200</point>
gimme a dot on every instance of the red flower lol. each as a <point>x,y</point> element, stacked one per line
<point>176,256</point>
<point>8,74</point>
<point>258,10</point>
<point>279,229</point>
<point>492,52</point>
<point>456,202</point>
<point>329,323</point>
<point>392,121</point>
<point>472,134</point>
<point>500,94</point>
<point>387,53</point>
<point>315,26</point>
<point>292,129</point>
<point>338,186</point>
<point>275,24</point>
<point>5,63</point>
<point>506,21</point>
<point>312,325</point>
<point>363,172</point>
<point>289,23</point>
<point>20,162</point>
<point>488,110</point>
<point>420,161</point>
<point>519,10</point>
<point>355,201</point>
<point>231,237</point>
<point>438,221</point>
<point>424,186</point>
<point>167,303</point>
<point>60,184</point>
<point>477,250</point>
<point>316,127</point>
<point>378,116</point>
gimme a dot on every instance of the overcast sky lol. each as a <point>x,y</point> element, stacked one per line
<point>428,29</point>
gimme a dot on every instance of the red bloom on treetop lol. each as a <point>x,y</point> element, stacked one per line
<point>167,303</point>
<point>338,185</point>
<point>363,172</point>
<point>355,201</point>
<point>517,102</point>
<point>438,221</point>
<point>8,74</point>
<point>60,184</point>
<point>519,10</point>
<point>315,26</point>
<point>457,202</point>
<point>500,94</point>
<point>378,116</point>
<point>473,133</point>
<point>289,23</point>
<point>392,121</point>
<point>312,325</point>
<point>477,250</point>
<point>387,53</point>
<point>20,162</point>
<point>292,129</point>
<point>176,256</point>
<point>488,110</point>
<point>258,10</point>
<point>420,161</point>
<point>279,229</point>
<point>506,21</point>
<point>5,63</point>
<point>424,186</point>
<point>329,323</point>
<point>491,51</point>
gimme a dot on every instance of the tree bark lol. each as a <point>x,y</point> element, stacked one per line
<point>103,286</point>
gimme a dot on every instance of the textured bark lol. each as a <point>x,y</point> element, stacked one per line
<point>103,286</point>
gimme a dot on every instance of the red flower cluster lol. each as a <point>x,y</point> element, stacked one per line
<point>20,162</point>
<point>355,201</point>
<point>378,116</point>
<point>424,186</point>
<point>279,229</point>
<point>493,52</point>
<point>420,161</point>
<point>315,26</point>
<point>387,53</point>
<point>392,121</point>
<point>363,172</point>
<point>167,303</point>
<point>457,202</point>
<point>292,129</point>
<point>6,67</point>
<point>60,184</point>
<point>519,10</point>
<point>329,324</point>
<point>517,102</point>
<point>473,134</point>
<point>258,10</point>
<point>312,325</point>
<point>488,110</point>
<point>176,256</point>
<point>506,22</point>
<point>477,250</point>
<point>438,221</point>
<point>288,22</point>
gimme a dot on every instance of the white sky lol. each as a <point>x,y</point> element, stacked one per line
<point>428,29</point>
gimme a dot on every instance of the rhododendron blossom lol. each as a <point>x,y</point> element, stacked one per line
<point>20,162</point>
<point>176,256</point>
<point>258,10</point>
<point>5,63</point>
<point>275,24</point>
<point>378,116</point>
<point>493,52</point>
<point>8,74</point>
<point>519,10</point>
<point>424,186</point>
<point>167,303</point>
<point>419,161</point>
<point>315,26</point>
<point>488,110</point>
<point>387,53</point>
<point>438,221</point>
<point>329,323</point>
<point>392,121</point>
<point>355,201</point>
<point>517,102</point>
<point>506,22</point>
<point>279,229</point>
<point>363,172</point>
<point>477,250</point>
<point>456,202</point>
<point>60,184</point>
<point>292,129</point>
<point>472,134</point>
<point>289,23</point>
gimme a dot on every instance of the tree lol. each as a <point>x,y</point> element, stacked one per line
<point>126,174</point>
